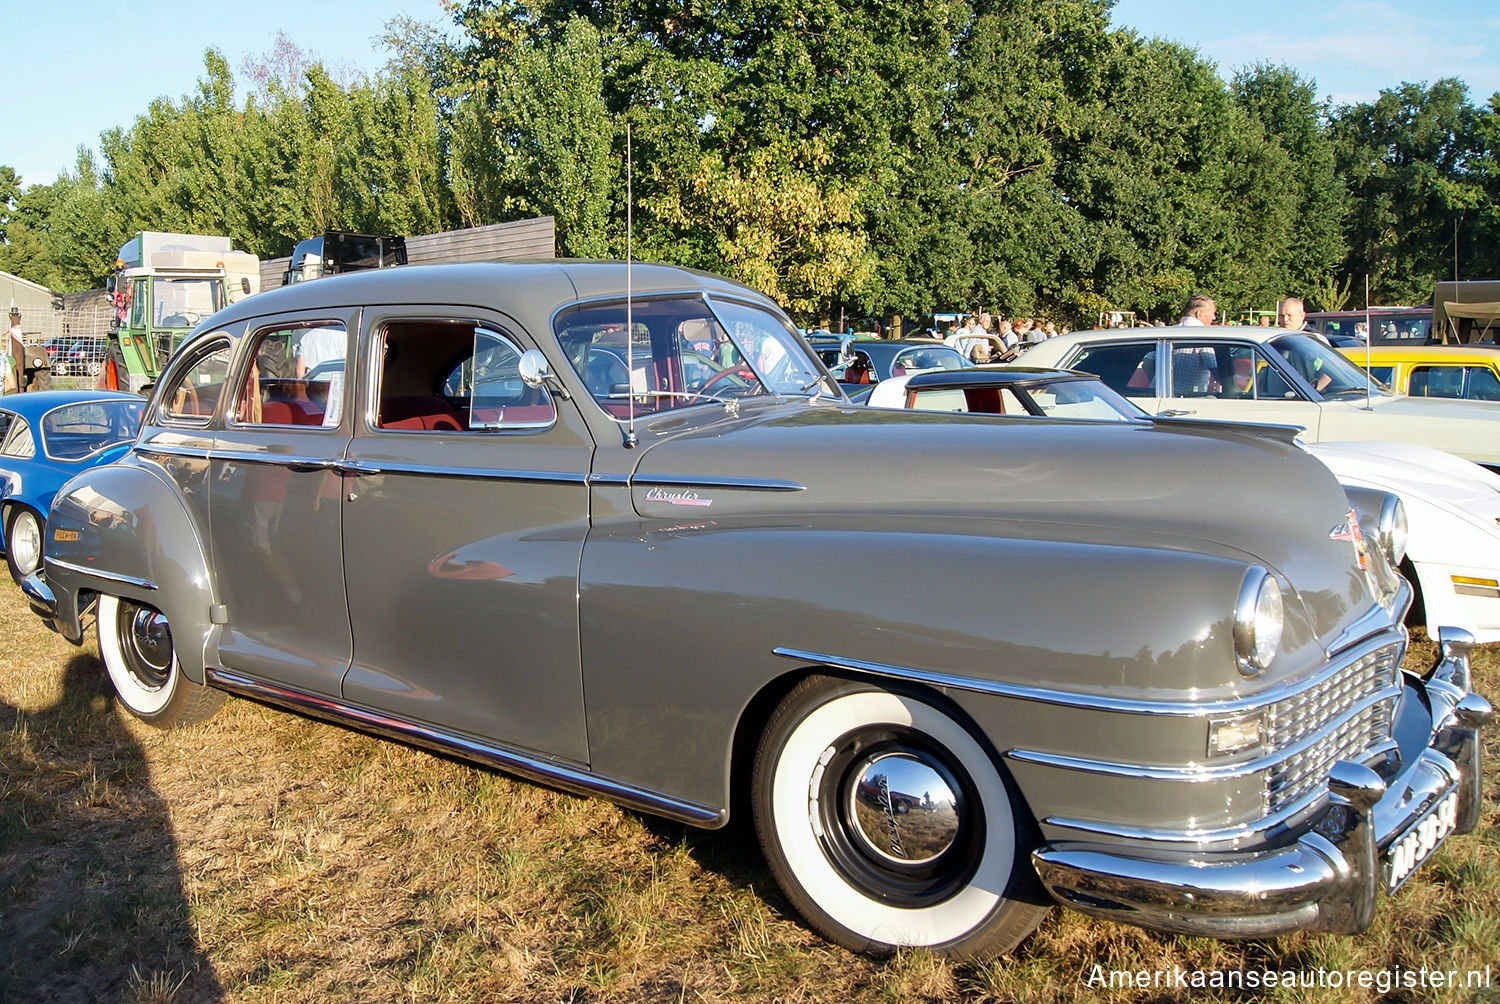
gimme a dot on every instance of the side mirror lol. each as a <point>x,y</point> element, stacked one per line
<point>846,352</point>
<point>534,368</point>
<point>245,284</point>
<point>535,372</point>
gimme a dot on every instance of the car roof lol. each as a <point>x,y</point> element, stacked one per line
<point>543,286</point>
<point>985,376</point>
<point>34,404</point>
<point>1428,353</point>
<point>1176,332</point>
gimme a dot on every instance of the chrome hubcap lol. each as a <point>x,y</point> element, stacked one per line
<point>149,646</point>
<point>27,544</point>
<point>903,808</point>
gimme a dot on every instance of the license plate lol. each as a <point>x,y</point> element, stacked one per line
<point>1419,841</point>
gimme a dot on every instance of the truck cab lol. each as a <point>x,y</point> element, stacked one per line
<point>164,284</point>
<point>336,251</point>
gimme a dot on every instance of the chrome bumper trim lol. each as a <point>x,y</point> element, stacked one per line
<point>39,594</point>
<point>1327,880</point>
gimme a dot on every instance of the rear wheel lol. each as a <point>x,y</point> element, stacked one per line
<point>23,542</point>
<point>887,824</point>
<point>135,642</point>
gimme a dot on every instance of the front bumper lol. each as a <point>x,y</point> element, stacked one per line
<point>1329,878</point>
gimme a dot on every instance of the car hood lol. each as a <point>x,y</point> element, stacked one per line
<point>1230,492</point>
<point>1409,469</point>
<point>1430,407</point>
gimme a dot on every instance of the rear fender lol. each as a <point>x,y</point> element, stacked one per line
<point>123,530</point>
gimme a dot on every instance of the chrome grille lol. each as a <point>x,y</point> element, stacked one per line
<point>1363,692</point>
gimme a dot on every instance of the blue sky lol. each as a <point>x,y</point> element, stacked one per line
<point>75,68</point>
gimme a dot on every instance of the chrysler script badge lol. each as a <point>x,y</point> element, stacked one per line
<point>685,497</point>
<point>1349,530</point>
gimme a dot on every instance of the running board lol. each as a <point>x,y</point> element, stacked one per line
<point>547,772</point>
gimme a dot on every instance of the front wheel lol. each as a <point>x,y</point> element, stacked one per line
<point>135,642</point>
<point>23,542</point>
<point>887,824</point>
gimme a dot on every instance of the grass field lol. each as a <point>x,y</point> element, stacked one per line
<point>266,857</point>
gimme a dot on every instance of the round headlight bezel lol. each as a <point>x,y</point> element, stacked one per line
<point>1394,529</point>
<point>1259,616</point>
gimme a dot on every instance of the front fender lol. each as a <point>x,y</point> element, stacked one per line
<point>123,530</point>
<point>683,627</point>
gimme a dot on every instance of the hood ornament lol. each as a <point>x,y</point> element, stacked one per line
<point>1349,530</point>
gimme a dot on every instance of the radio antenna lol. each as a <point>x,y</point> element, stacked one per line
<point>630,436</point>
<point>1369,338</point>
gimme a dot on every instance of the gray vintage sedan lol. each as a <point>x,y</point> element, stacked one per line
<point>1148,673</point>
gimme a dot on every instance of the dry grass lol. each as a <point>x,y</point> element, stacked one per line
<point>265,857</point>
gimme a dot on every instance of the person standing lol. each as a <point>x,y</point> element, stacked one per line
<point>15,355</point>
<point>1201,311</point>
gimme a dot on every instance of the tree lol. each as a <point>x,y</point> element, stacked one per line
<point>1408,158</point>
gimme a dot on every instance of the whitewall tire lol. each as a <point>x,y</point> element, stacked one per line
<point>888,824</point>
<point>136,645</point>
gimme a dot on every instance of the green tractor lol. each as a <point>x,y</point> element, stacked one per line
<point>163,286</point>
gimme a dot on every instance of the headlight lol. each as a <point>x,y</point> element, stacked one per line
<point>1393,529</point>
<point>1257,621</point>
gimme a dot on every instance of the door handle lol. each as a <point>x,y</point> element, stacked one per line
<point>1175,413</point>
<point>354,468</point>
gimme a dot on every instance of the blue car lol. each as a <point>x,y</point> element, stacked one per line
<point>46,437</point>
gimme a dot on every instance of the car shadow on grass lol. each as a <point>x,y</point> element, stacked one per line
<point>92,905</point>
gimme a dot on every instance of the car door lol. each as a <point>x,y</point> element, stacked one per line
<point>1235,381</point>
<point>274,512</point>
<point>464,521</point>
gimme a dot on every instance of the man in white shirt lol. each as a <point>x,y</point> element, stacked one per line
<point>1201,311</point>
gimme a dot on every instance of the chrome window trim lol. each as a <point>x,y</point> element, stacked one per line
<point>370,416</point>
<point>578,780</point>
<point>1121,705</point>
<point>176,369</point>
<point>128,580</point>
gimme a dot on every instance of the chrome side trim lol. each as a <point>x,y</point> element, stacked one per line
<point>609,479</point>
<point>741,484</point>
<point>194,453</point>
<point>488,473</point>
<point>1094,702</point>
<point>531,767</point>
<point>97,573</point>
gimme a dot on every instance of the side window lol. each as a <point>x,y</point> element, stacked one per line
<point>941,399</point>
<point>1437,381</point>
<point>5,420</point>
<point>1195,372</point>
<point>445,376</point>
<point>19,441</point>
<point>1385,374</point>
<point>139,301</point>
<point>1483,386</point>
<point>1269,383</point>
<point>195,390</point>
<point>295,377</point>
<point>1129,369</point>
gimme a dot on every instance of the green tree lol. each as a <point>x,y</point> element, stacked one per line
<point>1408,158</point>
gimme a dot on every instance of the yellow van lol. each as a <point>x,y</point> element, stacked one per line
<point>1465,372</point>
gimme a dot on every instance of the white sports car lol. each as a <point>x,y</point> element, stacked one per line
<point>1452,505</point>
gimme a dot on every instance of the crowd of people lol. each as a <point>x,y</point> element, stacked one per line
<point>985,338</point>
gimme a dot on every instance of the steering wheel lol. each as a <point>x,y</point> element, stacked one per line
<point>738,369</point>
<point>186,400</point>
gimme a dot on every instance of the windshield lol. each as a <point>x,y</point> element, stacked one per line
<point>182,303</point>
<point>1063,398</point>
<point>76,431</point>
<point>1329,372</point>
<point>684,351</point>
